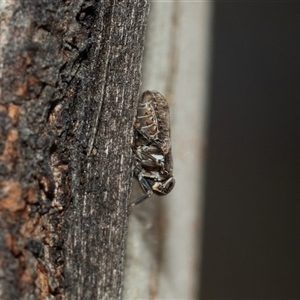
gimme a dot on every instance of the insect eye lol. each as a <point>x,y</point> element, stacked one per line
<point>164,187</point>
<point>169,185</point>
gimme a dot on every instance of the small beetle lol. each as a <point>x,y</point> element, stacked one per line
<point>152,146</point>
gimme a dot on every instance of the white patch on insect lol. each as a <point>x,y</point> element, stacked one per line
<point>158,156</point>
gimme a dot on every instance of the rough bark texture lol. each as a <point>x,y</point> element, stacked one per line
<point>69,88</point>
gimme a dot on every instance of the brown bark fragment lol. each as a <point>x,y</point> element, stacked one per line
<point>25,278</point>
<point>42,281</point>
<point>13,113</point>
<point>11,196</point>
<point>30,195</point>
<point>10,152</point>
<point>12,245</point>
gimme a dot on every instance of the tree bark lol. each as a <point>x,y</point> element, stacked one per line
<point>70,78</point>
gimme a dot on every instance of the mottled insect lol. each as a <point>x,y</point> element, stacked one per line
<point>152,146</point>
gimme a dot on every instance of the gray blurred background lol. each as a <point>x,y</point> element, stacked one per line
<point>230,229</point>
<point>251,235</point>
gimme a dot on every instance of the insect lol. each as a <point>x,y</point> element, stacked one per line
<point>152,146</point>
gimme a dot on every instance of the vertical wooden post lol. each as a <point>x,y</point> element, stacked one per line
<point>70,78</point>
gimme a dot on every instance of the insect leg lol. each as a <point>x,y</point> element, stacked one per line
<point>149,156</point>
<point>147,190</point>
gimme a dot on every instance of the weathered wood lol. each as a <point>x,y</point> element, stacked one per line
<point>70,78</point>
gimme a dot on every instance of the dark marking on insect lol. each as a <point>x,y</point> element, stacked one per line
<point>152,146</point>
